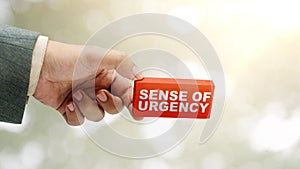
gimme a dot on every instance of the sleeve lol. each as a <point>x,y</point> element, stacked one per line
<point>16,47</point>
<point>37,63</point>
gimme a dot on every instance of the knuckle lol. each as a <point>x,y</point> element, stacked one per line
<point>123,55</point>
<point>120,56</point>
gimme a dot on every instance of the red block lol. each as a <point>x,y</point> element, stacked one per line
<point>176,98</point>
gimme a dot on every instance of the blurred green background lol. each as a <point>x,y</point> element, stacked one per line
<point>258,42</point>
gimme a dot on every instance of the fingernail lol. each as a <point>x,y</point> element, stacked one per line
<point>102,97</point>
<point>136,72</point>
<point>70,107</point>
<point>78,95</point>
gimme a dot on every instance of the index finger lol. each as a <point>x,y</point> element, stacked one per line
<point>122,87</point>
<point>122,64</point>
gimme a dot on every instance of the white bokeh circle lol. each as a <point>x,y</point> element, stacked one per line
<point>164,25</point>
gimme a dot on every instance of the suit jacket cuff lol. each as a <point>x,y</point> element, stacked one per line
<point>16,47</point>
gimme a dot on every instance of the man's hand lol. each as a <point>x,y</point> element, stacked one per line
<point>72,71</point>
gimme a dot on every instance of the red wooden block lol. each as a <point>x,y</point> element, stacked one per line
<point>176,98</point>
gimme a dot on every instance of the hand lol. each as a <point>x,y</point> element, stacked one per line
<point>56,81</point>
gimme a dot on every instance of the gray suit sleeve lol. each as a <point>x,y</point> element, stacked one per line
<point>16,47</point>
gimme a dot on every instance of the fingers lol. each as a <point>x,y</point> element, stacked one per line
<point>113,59</point>
<point>92,56</point>
<point>122,87</point>
<point>87,107</point>
<point>119,84</point>
<point>122,64</point>
<point>113,104</point>
<point>113,68</point>
<point>94,59</point>
<point>129,70</point>
<point>73,118</point>
<point>110,103</point>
